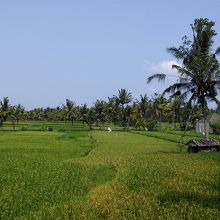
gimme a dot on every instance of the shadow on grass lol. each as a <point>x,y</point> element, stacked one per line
<point>173,197</point>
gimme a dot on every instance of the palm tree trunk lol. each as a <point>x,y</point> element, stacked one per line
<point>160,120</point>
<point>174,120</point>
<point>206,127</point>
<point>122,115</point>
<point>186,127</point>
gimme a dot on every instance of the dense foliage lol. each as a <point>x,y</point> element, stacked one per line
<point>139,114</point>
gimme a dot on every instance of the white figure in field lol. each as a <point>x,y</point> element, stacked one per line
<point>203,133</point>
<point>146,129</point>
<point>109,129</point>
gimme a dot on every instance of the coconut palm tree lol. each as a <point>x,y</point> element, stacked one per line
<point>83,111</point>
<point>90,118</point>
<point>199,79</point>
<point>124,97</point>
<point>69,110</point>
<point>100,107</point>
<point>159,107</point>
<point>5,107</point>
<point>16,113</point>
<point>144,105</point>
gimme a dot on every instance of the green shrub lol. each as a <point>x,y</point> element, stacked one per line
<point>140,124</point>
<point>183,126</point>
<point>216,128</point>
<point>24,128</point>
<point>50,128</point>
<point>151,125</point>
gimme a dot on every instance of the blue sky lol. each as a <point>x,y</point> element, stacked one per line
<point>87,50</point>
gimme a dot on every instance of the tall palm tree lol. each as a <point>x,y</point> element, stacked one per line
<point>175,106</point>
<point>124,97</point>
<point>38,114</point>
<point>199,79</point>
<point>83,111</point>
<point>159,106</point>
<point>16,113</point>
<point>1,117</point>
<point>100,108</point>
<point>90,118</point>
<point>110,109</point>
<point>69,110</point>
<point>144,105</point>
<point>4,104</point>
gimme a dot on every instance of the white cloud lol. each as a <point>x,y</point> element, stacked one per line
<point>165,66</point>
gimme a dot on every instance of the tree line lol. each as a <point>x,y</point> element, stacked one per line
<point>198,84</point>
<point>121,109</point>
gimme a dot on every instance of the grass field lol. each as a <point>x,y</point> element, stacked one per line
<point>70,173</point>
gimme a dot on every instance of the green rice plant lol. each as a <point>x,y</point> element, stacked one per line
<point>73,174</point>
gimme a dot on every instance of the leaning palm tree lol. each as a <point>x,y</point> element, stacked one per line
<point>199,79</point>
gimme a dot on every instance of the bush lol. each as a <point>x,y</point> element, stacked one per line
<point>24,128</point>
<point>151,125</point>
<point>183,126</point>
<point>140,124</point>
<point>216,128</point>
<point>50,128</point>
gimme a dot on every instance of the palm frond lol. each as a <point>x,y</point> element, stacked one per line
<point>217,75</point>
<point>193,97</point>
<point>182,70</point>
<point>177,86</point>
<point>176,52</point>
<point>217,50</point>
<point>181,95</point>
<point>217,82</point>
<point>216,101</point>
<point>159,77</point>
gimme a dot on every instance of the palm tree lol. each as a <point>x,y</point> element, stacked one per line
<point>144,106</point>
<point>110,109</point>
<point>83,111</point>
<point>38,114</point>
<point>200,73</point>
<point>1,117</point>
<point>99,108</point>
<point>124,97</point>
<point>175,107</point>
<point>90,118</point>
<point>5,108</point>
<point>69,110</point>
<point>16,114</point>
<point>127,116</point>
<point>159,106</point>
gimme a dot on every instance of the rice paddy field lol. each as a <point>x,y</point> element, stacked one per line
<point>59,171</point>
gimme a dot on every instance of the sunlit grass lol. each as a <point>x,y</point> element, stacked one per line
<point>75,174</point>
